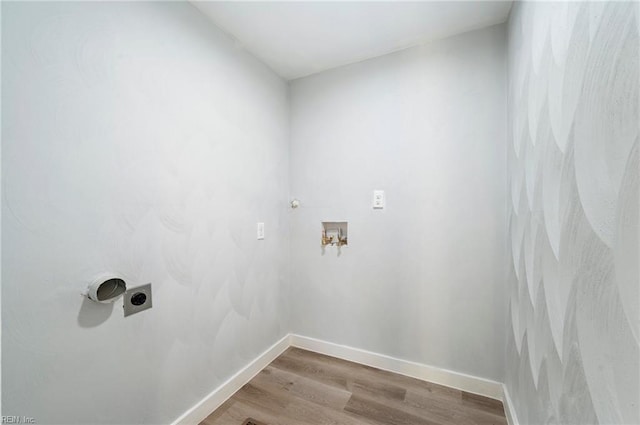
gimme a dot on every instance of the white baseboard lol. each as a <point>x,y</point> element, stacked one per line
<point>461,381</point>
<point>211,402</point>
<point>509,410</point>
<point>433,374</point>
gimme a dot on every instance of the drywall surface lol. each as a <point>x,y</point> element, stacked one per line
<point>572,344</point>
<point>0,218</point>
<point>329,34</point>
<point>137,140</point>
<point>424,278</point>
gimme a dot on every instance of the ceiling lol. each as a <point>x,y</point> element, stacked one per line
<point>297,39</point>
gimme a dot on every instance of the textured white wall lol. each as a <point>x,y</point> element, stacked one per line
<point>424,279</point>
<point>137,140</point>
<point>572,347</point>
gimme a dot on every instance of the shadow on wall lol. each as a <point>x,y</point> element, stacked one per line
<point>93,314</point>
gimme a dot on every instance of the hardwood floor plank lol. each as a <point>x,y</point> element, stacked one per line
<point>360,378</point>
<point>380,389</point>
<point>239,412</point>
<point>451,411</point>
<point>438,409</point>
<point>363,372</point>
<point>311,370</point>
<point>310,401</point>
<point>213,418</point>
<point>485,403</point>
<point>306,388</point>
<point>262,399</point>
<point>300,409</point>
<point>382,413</point>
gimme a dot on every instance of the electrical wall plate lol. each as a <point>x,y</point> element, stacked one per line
<point>378,200</point>
<point>137,299</point>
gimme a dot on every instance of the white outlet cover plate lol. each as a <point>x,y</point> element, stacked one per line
<point>260,229</point>
<point>378,199</point>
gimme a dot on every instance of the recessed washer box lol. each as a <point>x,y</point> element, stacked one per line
<point>335,233</point>
<point>137,299</point>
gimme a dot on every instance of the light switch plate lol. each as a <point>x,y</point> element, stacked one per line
<point>260,231</point>
<point>137,299</point>
<point>378,199</point>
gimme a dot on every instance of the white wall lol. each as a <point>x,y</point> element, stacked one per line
<point>136,140</point>
<point>424,279</point>
<point>1,197</point>
<point>573,341</point>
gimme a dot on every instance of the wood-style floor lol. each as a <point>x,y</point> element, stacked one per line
<point>305,388</point>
